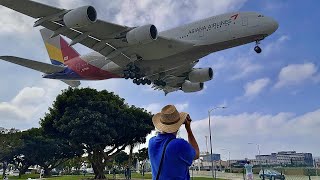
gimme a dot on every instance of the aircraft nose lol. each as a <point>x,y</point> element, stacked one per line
<point>274,25</point>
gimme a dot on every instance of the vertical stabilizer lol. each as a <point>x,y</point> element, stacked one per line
<point>58,49</point>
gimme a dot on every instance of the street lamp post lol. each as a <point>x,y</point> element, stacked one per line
<point>258,146</point>
<point>209,113</point>
<point>229,152</point>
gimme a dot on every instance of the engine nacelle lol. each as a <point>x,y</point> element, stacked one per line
<point>142,35</point>
<point>189,87</point>
<point>201,75</point>
<point>80,17</point>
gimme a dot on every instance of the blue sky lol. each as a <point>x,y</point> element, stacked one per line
<point>272,98</point>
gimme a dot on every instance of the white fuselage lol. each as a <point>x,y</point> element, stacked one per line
<point>208,36</point>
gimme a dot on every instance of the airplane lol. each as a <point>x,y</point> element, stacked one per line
<point>164,59</point>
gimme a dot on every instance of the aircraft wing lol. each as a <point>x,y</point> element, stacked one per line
<point>35,65</point>
<point>100,36</point>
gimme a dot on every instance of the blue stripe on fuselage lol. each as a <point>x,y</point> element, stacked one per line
<point>66,74</point>
<point>54,62</point>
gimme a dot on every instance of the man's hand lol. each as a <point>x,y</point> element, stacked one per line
<point>187,121</point>
<point>191,138</point>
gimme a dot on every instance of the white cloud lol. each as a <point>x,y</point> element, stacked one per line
<point>182,107</point>
<point>283,131</point>
<point>167,13</point>
<point>237,69</point>
<point>29,95</point>
<point>13,22</point>
<point>275,45</point>
<point>295,74</point>
<point>254,88</point>
<point>26,108</point>
<point>156,107</point>
<point>153,108</point>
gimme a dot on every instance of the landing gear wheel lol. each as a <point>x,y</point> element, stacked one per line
<point>126,75</point>
<point>138,76</point>
<point>149,82</point>
<point>135,81</point>
<point>257,49</point>
<point>144,82</point>
<point>138,82</point>
<point>132,75</point>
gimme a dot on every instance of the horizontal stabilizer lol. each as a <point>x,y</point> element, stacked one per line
<point>72,83</point>
<point>35,65</point>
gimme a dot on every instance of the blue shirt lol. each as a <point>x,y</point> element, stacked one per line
<point>248,168</point>
<point>178,157</point>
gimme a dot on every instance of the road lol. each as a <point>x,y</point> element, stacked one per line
<point>235,176</point>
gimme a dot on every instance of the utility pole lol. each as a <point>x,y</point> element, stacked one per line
<point>207,152</point>
<point>210,137</point>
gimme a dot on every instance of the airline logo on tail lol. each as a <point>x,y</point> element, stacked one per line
<point>58,49</point>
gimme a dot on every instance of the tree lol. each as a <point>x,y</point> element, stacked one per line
<point>121,158</point>
<point>38,149</point>
<point>98,122</point>
<point>8,144</point>
<point>76,163</point>
<point>142,154</point>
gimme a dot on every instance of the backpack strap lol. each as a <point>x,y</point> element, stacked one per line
<point>162,157</point>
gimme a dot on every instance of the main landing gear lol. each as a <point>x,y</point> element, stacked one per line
<point>142,81</point>
<point>133,72</point>
<point>257,49</point>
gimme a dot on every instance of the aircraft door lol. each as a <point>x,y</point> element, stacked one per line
<point>245,21</point>
<point>201,32</point>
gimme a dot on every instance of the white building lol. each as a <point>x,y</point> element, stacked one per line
<point>6,131</point>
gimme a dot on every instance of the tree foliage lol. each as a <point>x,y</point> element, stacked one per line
<point>121,158</point>
<point>8,145</point>
<point>142,154</point>
<point>32,147</point>
<point>45,151</point>
<point>95,121</point>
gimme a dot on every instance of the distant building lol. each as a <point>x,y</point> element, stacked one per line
<point>267,159</point>
<point>294,158</point>
<point>280,158</point>
<point>317,162</point>
<point>214,157</point>
<point>204,162</point>
<point>287,158</point>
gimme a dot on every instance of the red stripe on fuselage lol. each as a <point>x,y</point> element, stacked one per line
<point>88,71</point>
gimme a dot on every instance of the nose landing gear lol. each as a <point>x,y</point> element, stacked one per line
<point>257,49</point>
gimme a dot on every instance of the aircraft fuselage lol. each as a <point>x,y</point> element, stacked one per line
<point>209,35</point>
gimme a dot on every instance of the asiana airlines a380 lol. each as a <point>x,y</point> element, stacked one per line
<point>164,59</point>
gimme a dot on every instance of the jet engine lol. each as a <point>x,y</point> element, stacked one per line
<point>142,35</point>
<point>189,87</point>
<point>80,17</point>
<point>201,75</point>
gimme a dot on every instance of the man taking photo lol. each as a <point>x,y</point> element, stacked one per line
<point>171,157</point>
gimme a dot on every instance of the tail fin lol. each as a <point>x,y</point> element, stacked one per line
<point>58,49</point>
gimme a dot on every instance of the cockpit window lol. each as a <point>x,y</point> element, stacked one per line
<point>261,15</point>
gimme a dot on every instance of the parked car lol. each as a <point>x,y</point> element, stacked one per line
<point>271,174</point>
<point>15,173</point>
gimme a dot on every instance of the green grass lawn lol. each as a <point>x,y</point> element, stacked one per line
<point>66,177</point>
<point>26,176</point>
